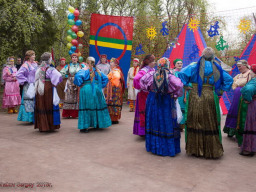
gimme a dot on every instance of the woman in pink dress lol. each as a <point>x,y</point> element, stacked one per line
<point>139,120</point>
<point>11,98</point>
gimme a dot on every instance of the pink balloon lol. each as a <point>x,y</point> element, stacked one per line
<point>76,13</point>
<point>74,42</point>
<point>74,28</point>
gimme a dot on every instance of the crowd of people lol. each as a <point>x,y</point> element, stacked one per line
<point>165,101</point>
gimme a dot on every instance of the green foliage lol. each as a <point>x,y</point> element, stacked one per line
<point>25,25</point>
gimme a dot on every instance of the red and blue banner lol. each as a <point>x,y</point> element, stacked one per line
<point>112,35</point>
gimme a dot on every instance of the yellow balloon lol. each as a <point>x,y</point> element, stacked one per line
<point>79,54</point>
<point>69,45</point>
<point>71,9</point>
<point>69,38</point>
<point>80,33</point>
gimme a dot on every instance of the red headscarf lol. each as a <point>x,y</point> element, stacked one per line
<point>253,68</point>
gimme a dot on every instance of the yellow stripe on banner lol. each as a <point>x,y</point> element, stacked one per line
<point>110,45</point>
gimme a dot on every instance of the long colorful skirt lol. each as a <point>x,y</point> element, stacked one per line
<point>23,115</point>
<point>231,120</point>
<point>70,106</point>
<point>115,104</point>
<point>139,119</point>
<point>249,136</point>
<point>162,132</point>
<point>242,113</point>
<point>11,96</point>
<point>45,119</point>
<point>203,135</point>
<point>93,110</point>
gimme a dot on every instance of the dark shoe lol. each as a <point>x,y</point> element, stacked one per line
<point>246,153</point>
<point>84,130</point>
<point>115,122</point>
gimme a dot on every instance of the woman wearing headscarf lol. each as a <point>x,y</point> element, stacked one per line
<point>162,131</point>
<point>148,65</point>
<point>26,77</point>
<point>47,114</point>
<point>248,147</point>
<point>131,90</point>
<point>115,90</point>
<point>93,111</point>
<point>70,106</point>
<point>242,105</point>
<point>11,96</point>
<point>239,81</point>
<point>203,135</point>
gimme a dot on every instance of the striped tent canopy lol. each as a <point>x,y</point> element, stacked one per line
<point>189,46</point>
<point>249,54</point>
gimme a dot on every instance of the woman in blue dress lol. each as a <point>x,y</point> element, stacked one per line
<point>162,131</point>
<point>93,111</point>
<point>203,134</point>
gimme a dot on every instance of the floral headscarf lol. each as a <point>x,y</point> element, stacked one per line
<point>161,75</point>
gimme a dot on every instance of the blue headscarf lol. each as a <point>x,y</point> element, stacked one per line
<point>217,73</point>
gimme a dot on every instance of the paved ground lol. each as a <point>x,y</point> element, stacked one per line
<point>111,160</point>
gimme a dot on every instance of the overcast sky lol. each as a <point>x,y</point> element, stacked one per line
<point>223,5</point>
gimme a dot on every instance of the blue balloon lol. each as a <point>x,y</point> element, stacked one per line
<point>70,52</point>
<point>73,48</point>
<point>78,22</point>
<point>71,16</point>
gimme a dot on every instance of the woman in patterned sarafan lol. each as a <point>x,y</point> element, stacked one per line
<point>11,96</point>
<point>93,111</point>
<point>70,106</point>
<point>115,90</point>
<point>47,114</point>
<point>203,134</point>
<point>248,147</point>
<point>162,130</point>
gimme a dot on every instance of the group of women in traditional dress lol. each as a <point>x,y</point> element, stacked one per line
<point>197,88</point>
<point>241,119</point>
<point>94,94</point>
<point>81,89</point>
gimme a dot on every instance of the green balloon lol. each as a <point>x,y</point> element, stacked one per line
<point>73,35</point>
<point>71,22</point>
<point>69,32</point>
<point>80,59</point>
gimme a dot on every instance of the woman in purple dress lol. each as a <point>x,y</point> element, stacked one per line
<point>139,120</point>
<point>26,77</point>
<point>162,130</point>
<point>248,147</point>
<point>239,81</point>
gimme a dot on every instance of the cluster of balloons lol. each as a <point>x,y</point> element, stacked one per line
<point>73,33</point>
